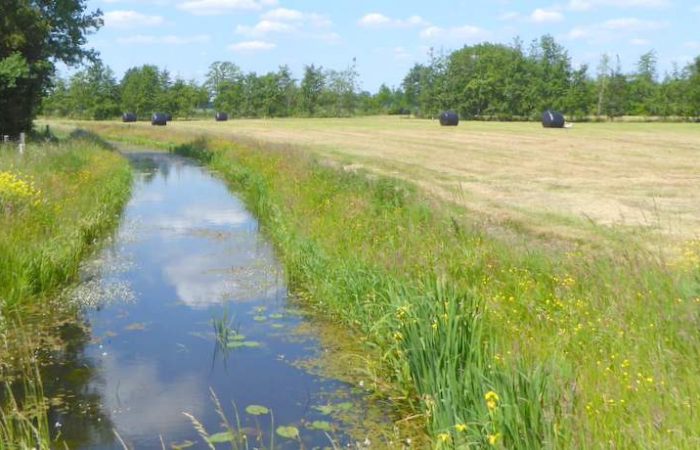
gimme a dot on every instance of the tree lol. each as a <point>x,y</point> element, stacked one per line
<point>34,35</point>
<point>580,96</point>
<point>93,93</point>
<point>141,89</point>
<point>312,86</point>
<point>643,88</point>
<point>615,104</point>
<point>693,71</point>
<point>184,97</point>
<point>224,84</point>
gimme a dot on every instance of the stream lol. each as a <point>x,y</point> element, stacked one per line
<point>184,302</point>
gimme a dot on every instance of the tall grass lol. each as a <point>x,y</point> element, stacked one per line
<point>56,200</point>
<point>77,191</point>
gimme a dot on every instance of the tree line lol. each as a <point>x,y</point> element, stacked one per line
<point>94,93</point>
<point>495,81</point>
<point>483,81</point>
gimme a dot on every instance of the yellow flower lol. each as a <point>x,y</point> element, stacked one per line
<point>493,438</point>
<point>460,427</point>
<point>443,437</point>
<point>492,400</point>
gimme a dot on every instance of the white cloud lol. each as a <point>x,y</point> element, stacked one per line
<point>695,45</point>
<point>587,5</point>
<point>252,46</point>
<point>282,20</point>
<point>265,27</point>
<point>697,9</point>
<point>542,16</point>
<point>614,28</point>
<point>378,20</point>
<point>628,24</point>
<point>167,40</point>
<point>131,19</point>
<point>463,33</point>
<point>298,17</point>
<point>284,14</point>
<point>212,7</point>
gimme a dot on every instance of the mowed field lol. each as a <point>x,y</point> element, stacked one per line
<point>567,183</point>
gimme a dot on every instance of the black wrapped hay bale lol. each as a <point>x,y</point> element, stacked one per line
<point>449,119</point>
<point>128,117</point>
<point>159,119</point>
<point>221,117</point>
<point>168,117</point>
<point>553,119</point>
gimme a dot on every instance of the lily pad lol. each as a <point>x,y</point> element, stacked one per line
<point>260,318</point>
<point>256,410</point>
<point>321,425</point>
<point>221,438</point>
<point>237,337</point>
<point>183,445</point>
<point>326,410</point>
<point>290,432</point>
<point>345,406</point>
<point>277,325</point>
<point>329,409</point>
<point>276,316</point>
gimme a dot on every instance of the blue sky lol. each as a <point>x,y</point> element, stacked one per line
<point>386,37</point>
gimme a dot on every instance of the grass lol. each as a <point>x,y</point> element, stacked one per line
<point>486,342</point>
<point>56,201</point>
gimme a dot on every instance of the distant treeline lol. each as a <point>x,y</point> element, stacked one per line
<point>484,81</point>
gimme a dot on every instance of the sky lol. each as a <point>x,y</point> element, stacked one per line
<point>385,37</point>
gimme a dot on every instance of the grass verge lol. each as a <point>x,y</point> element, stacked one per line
<point>56,200</point>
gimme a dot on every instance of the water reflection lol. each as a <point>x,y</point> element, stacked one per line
<point>188,253</point>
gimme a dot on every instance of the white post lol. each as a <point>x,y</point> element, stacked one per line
<point>21,143</point>
<point>6,138</point>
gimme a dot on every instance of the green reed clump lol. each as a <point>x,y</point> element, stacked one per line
<point>495,341</point>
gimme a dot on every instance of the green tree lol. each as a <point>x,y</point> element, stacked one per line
<point>312,86</point>
<point>93,93</point>
<point>643,87</point>
<point>615,104</point>
<point>552,73</point>
<point>34,35</point>
<point>185,97</point>
<point>580,96</point>
<point>693,70</point>
<point>141,89</point>
<point>224,83</point>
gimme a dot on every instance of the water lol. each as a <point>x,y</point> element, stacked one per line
<point>186,255</point>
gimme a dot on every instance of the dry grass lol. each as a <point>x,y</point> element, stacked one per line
<point>640,177</point>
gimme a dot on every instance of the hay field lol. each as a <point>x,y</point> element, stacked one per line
<point>639,177</point>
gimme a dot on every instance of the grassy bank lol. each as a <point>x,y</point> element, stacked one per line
<point>56,200</point>
<point>491,344</point>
